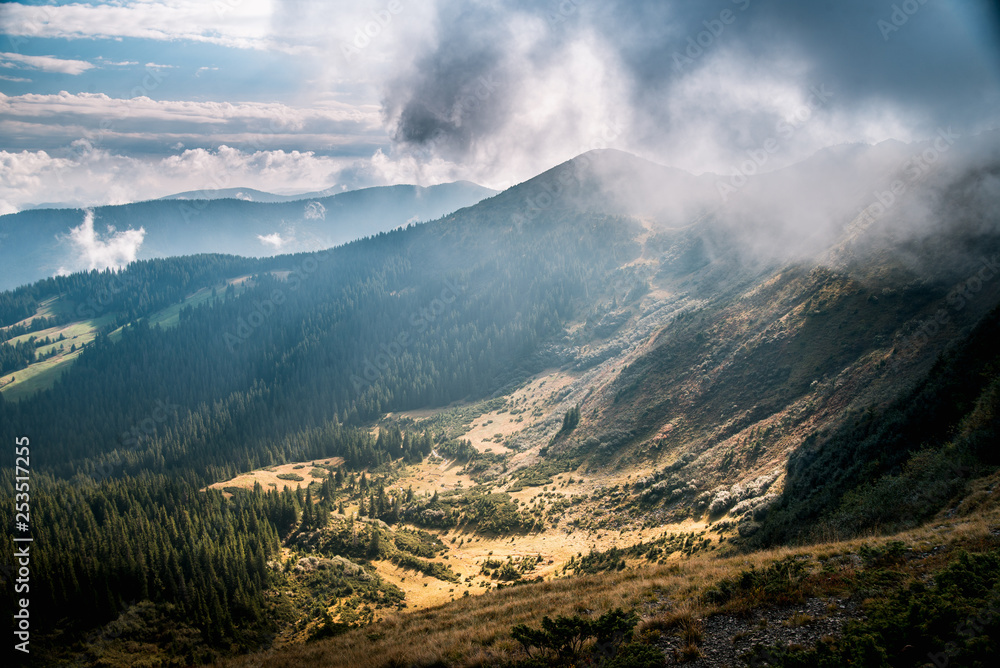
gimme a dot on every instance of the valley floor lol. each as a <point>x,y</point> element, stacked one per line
<point>697,610</point>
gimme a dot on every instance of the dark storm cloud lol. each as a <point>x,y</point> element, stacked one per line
<point>451,99</point>
<point>928,63</point>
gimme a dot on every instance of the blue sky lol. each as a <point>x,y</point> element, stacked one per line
<point>106,102</point>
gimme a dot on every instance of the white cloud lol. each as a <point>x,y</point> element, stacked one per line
<point>314,211</point>
<point>4,77</point>
<point>112,250</point>
<point>274,239</point>
<point>244,24</point>
<point>39,118</point>
<point>44,63</point>
<point>93,176</point>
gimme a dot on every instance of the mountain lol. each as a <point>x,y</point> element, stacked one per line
<point>614,391</point>
<point>39,243</point>
<point>249,195</point>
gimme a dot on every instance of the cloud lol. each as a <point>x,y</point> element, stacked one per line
<point>695,85</point>
<point>496,91</point>
<point>4,77</point>
<point>92,176</point>
<point>242,24</point>
<point>274,239</point>
<point>314,211</point>
<point>113,250</point>
<point>44,63</point>
<point>142,124</point>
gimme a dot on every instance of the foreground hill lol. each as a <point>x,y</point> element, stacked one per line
<point>609,365</point>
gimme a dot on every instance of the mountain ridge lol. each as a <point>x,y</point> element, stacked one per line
<point>38,242</point>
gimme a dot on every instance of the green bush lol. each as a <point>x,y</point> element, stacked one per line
<point>565,640</point>
<point>780,582</point>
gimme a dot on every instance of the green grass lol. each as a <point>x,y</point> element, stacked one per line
<point>170,316</point>
<point>37,377</point>
<point>42,375</point>
<point>83,331</point>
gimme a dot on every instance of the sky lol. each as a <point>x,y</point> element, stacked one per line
<point>111,102</point>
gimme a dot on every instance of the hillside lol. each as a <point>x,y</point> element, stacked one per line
<point>616,385</point>
<point>40,243</point>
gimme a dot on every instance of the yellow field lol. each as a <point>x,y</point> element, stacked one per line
<point>268,478</point>
<point>475,631</point>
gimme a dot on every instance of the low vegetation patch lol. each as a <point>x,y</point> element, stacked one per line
<point>573,641</point>
<point>954,621</point>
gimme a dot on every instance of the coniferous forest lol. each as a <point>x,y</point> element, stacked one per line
<point>284,366</point>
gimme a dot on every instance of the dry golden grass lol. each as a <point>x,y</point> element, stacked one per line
<point>476,630</point>
<point>268,478</point>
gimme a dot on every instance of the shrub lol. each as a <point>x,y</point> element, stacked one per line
<point>778,583</point>
<point>952,622</point>
<point>561,641</point>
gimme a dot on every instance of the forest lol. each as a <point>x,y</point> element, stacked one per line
<point>286,365</point>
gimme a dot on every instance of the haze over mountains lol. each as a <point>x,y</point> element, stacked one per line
<point>43,242</point>
<point>795,204</point>
<point>250,195</point>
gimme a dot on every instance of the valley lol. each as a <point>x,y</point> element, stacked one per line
<point>617,407</point>
<point>500,334</point>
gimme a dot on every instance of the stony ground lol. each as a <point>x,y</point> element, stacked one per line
<point>725,638</point>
